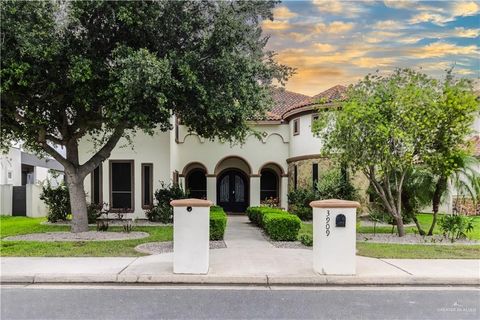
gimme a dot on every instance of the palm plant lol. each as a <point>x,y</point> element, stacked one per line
<point>465,179</point>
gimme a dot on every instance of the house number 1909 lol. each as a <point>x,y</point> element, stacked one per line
<point>327,224</point>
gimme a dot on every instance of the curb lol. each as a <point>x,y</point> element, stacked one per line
<point>236,280</point>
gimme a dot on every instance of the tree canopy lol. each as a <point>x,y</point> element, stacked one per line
<point>105,69</point>
<point>388,124</point>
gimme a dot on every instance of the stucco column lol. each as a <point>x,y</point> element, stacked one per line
<point>284,192</point>
<point>212,189</point>
<point>254,191</point>
<point>181,182</point>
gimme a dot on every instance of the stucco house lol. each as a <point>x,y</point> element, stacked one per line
<point>287,156</point>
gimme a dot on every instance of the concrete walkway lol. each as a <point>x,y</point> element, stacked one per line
<point>248,259</point>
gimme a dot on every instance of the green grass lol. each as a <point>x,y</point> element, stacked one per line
<point>418,251</point>
<point>22,225</point>
<point>425,221</point>
<point>414,251</point>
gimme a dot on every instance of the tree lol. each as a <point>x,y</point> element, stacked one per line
<point>377,130</point>
<point>447,154</point>
<point>108,69</point>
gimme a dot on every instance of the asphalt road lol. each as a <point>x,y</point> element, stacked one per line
<point>127,302</point>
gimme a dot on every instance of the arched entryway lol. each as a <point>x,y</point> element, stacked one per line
<point>233,190</point>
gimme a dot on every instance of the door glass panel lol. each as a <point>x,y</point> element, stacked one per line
<point>224,188</point>
<point>239,189</point>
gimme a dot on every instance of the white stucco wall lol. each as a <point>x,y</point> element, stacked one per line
<point>35,206</point>
<point>11,162</point>
<point>6,192</point>
<point>304,143</point>
<point>145,149</point>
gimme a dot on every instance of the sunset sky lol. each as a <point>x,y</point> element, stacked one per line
<point>338,42</point>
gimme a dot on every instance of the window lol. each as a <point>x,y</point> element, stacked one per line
<point>147,185</point>
<point>96,185</point>
<point>295,177</point>
<point>268,185</point>
<point>314,175</point>
<point>296,127</point>
<point>10,175</point>
<point>196,184</point>
<point>177,130</point>
<point>122,185</point>
<point>314,118</point>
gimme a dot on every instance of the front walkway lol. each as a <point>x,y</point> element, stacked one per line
<point>248,259</point>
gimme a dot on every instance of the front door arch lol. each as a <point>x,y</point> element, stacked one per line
<point>233,190</point>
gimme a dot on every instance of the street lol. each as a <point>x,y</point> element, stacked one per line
<point>182,302</point>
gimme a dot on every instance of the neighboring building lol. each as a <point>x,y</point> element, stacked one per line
<point>287,156</point>
<point>21,177</point>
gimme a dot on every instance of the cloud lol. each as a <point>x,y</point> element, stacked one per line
<point>373,62</point>
<point>466,33</point>
<point>387,25</point>
<point>324,47</point>
<point>276,25</point>
<point>339,7</point>
<point>400,4</point>
<point>440,49</point>
<point>334,27</point>
<point>429,17</point>
<point>381,36</point>
<point>299,37</point>
<point>465,8</point>
<point>283,13</point>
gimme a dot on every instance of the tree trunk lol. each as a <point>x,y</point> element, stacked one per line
<point>419,227</point>
<point>78,205</point>
<point>400,228</point>
<point>440,188</point>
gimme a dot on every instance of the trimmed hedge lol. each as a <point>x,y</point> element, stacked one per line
<point>218,223</point>
<point>280,225</point>
<point>255,214</point>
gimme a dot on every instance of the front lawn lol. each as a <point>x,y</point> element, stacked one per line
<point>10,226</point>
<point>414,251</point>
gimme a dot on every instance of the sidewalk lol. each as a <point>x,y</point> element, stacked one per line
<point>248,259</point>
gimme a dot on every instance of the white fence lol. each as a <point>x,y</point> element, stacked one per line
<point>34,206</point>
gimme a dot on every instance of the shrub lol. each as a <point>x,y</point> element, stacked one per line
<point>306,239</point>
<point>57,200</point>
<point>162,211</point>
<point>95,211</point>
<point>334,184</point>
<point>255,214</point>
<point>281,226</point>
<point>456,226</point>
<point>305,214</point>
<point>218,223</point>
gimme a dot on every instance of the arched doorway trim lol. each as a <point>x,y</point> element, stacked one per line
<point>219,168</point>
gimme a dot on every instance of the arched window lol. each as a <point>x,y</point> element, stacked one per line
<point>268,184</point>
<point>196,184</point>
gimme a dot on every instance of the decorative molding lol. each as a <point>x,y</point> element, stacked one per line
<point>306,157</point>
<point>216,171</point>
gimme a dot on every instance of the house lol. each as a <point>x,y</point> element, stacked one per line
<point>285,157</point>
<point>21,177</point>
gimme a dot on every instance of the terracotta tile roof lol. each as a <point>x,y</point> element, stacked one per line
<point>337,92</point>
<point>284,99</point>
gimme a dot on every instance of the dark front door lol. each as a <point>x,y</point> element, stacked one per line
<point>19,201</point>
<point>232,191</point>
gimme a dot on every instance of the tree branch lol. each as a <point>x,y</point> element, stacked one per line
<point>103,153</point>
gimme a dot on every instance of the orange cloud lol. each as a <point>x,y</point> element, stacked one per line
<point>464,8</point>
<point>334,27</point>
<point>283,13</point>
<point>276,25</point>
<point>440,49</point>
<point>324,47</point>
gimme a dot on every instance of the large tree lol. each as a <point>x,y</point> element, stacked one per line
<point>378,131</point>
<point>107,69</point>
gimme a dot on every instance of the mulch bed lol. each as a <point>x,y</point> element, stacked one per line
<point>81,236</point>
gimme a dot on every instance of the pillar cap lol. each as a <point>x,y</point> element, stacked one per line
<point>191,202</point>
<point>334,203</point>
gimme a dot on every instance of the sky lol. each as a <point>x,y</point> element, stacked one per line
<point>339,42</point>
